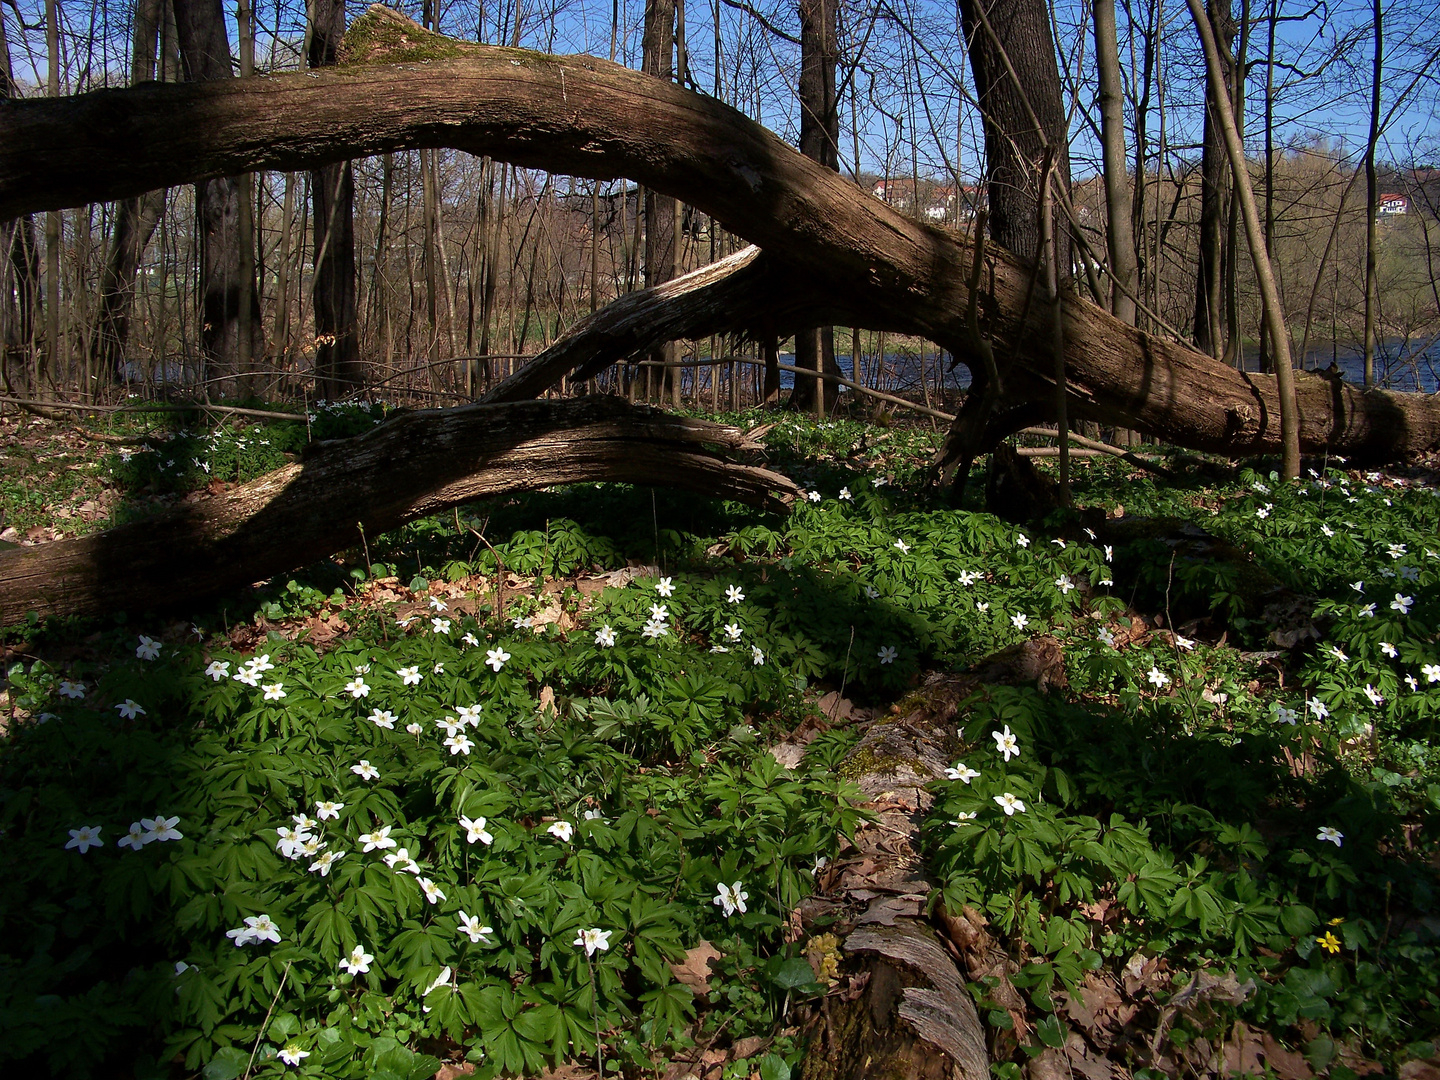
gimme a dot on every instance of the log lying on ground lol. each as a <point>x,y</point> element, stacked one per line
<point>414,464</point>
<point>403,88</point>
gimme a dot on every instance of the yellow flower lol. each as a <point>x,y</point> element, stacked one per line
<point>1330,943</point>
<point>1337,920</point>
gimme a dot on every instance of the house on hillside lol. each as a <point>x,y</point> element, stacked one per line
<point>928,199</point>
<point>1393,205</point>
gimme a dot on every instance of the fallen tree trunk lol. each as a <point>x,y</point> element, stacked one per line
<point>416,463</point>
<point>399,87</point>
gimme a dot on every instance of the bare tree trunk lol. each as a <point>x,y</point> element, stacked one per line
<point>1119,232</point>
<point>1017,77</point>
<point>338,369</point>
<point>819,141</point>
<point>1264,272</point>
<point>1210,277</point>
<point>658,59</point>
<point>134,224</point>
<point>53,345</point>
<point>1372,199</point>
<point>205,53</point>
<point>19,269</point>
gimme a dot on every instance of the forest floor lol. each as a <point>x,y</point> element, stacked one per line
<point>569,777</point>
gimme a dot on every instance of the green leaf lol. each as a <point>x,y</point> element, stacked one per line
<point>228,1063</point>
<point>774,1067</point>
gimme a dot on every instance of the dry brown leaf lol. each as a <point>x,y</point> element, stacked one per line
<point>1242,1051</point>
<point>1288,1064</point>
<point>695,972</point>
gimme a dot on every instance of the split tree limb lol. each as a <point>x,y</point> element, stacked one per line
<point>590,118</point>
<point>413,465</point>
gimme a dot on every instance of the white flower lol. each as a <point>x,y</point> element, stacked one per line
<point>414,727</point>
<point>218,670</point>
<point>844,494</point>
<point>257,928</point>
<point>659,613</point>
<point>274,691</point>
<point>593,939</point>
<point>84,838</point>
<point>1064,584</point>
<point>902,547</point>
<point>248,677</point>
<point>1396,551</point>
<point>496,658</point>
<point>443,979</point>
<point>451,726</point>
<point>404,621</point>
<point>522,622</point>
<point>605,636</point>
<point>161,828</point>
<point>594,815</point>
<point>382,718</point>
<point>561,830</point>
<point>1006,743</point>
<point>1330,835</point>
<point>872,593</point>
<point>963,772</point>
<point>470,639</point>
<point>471,926</point>
<point>1327,530</point>
<point>401,860</point>
<point>1107,581</point>
<point>1264,511</point>
<point>1184,643</point>
<point>72,689</point>
<point>1010,804</point>
<point>1284,715</point>
<point>1358,586</point>
<point>129,710</point>
<point>358,962</point>
<point>1374,695</point>
<point>1106,635</point>
<point>1367,612</point>
<point>1021,620</point>
<point>963,818</point>
<point>322,864</point>
<point>756,656</point>
<point>356,688</point>
<point>475,830</point>
<point>968,577</point>
<point>665,586</point>
<point>1058,543</point>
<point>982,606</point>
<point>365,770</point>
<point>733,594</point>
<point>733,631</point>
<point>378,840</point>
<point>149,648</point>
<point>439,626</point>
<point>135,839</point>
<point>1402,604</point>
<point>731,898</point>
<point>431,890</point>
<point>470,714</point>
<point>1021,540</point>
<point>814,496</point>
<point>1431,672</point>
<point>887,654</point>
<point>1317,708</point>
<point>290,842</point>
<point>1109,553</point>
<point>460,744</point>
<point>1408,573</point>
<point>436,604</point>
<point>1158,677</point>
<point>293,1055</point>
<point>1337,653</point>
<point>409,676</point>
<point>304,823</point>
<point>654,629</point>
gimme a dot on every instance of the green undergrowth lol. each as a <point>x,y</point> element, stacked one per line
<point>611,738</point>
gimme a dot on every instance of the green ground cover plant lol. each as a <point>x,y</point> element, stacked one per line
<point>465,828</point>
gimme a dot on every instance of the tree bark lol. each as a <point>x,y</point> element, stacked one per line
<point>819,141</point>
<point>1119,226</point>
<point>658,46</point>
<point>338,369</point>
<point>205,54</point>
<point>1372,196</point>
<point>589,118</point>
<point>413,465</point>
<point>1017,77</point>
